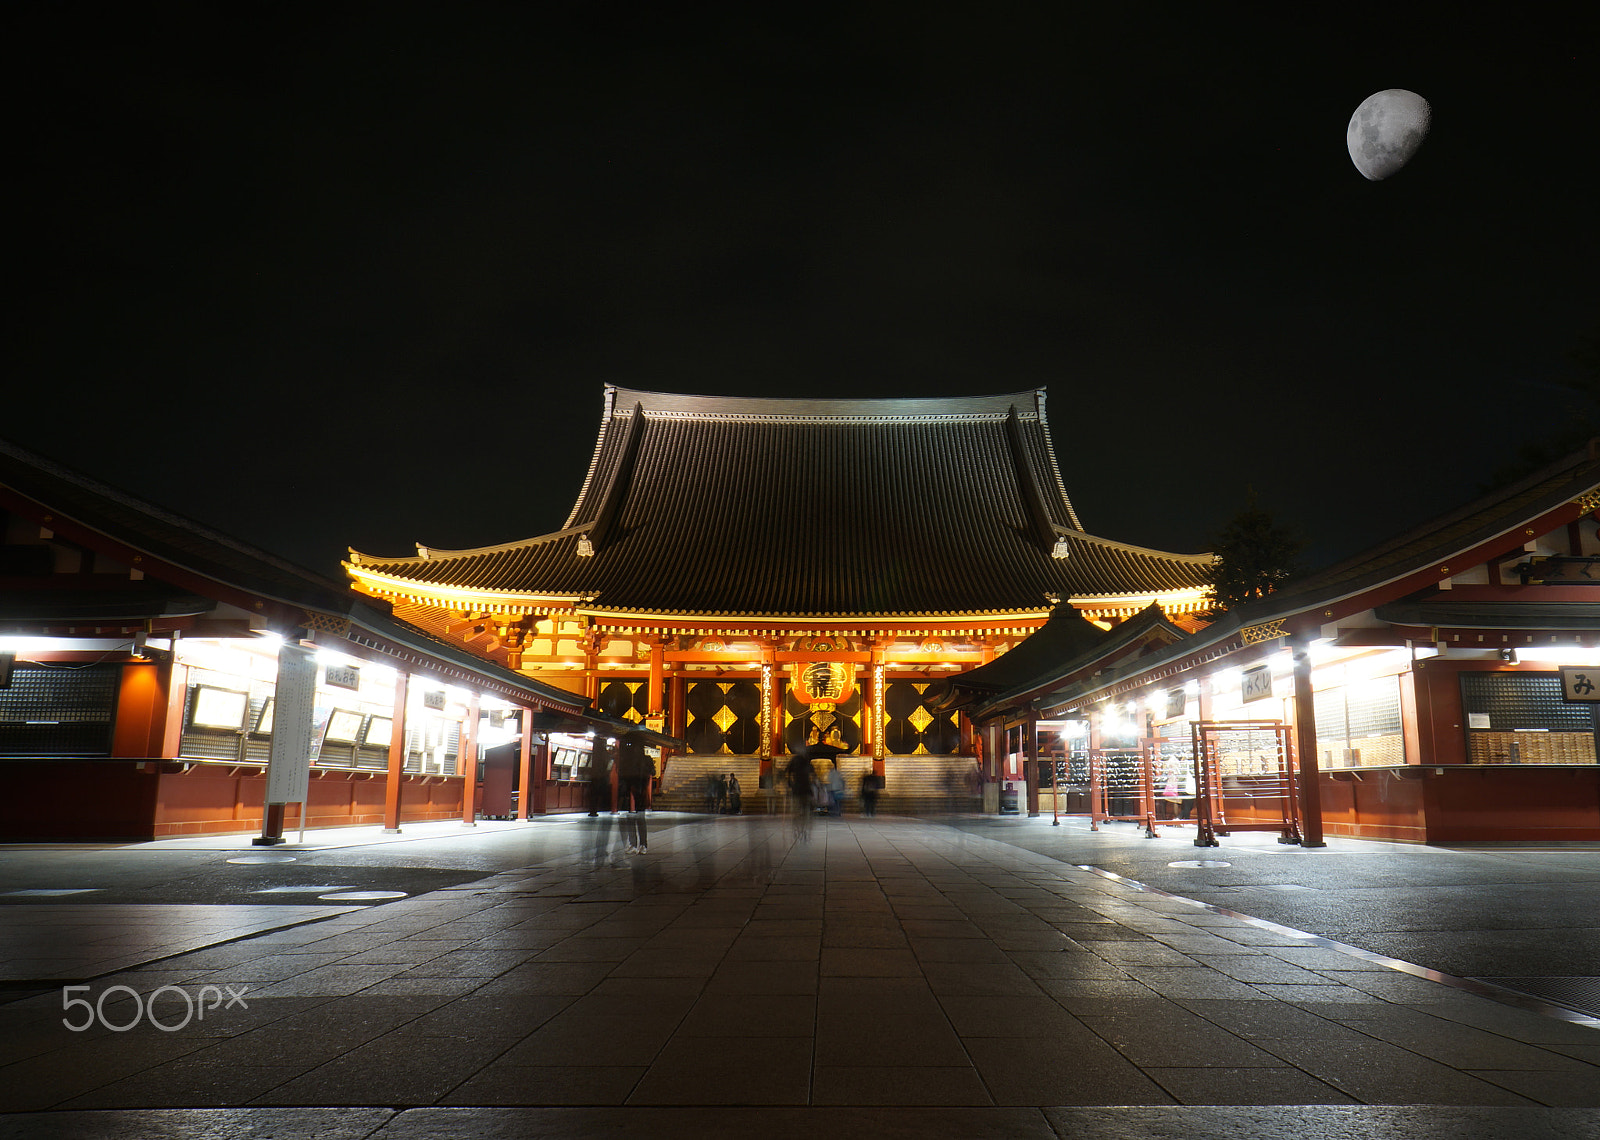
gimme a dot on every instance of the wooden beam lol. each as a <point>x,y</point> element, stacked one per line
<point>1512,592</point>
<point>1393,635</point>
<point>860,656</point>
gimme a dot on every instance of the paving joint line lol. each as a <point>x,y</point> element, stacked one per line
<point>1468,985</point>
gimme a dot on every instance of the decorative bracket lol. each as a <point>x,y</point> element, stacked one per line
<point>1266,631</point>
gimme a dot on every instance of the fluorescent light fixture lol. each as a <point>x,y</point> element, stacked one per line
<point>1558,654</point>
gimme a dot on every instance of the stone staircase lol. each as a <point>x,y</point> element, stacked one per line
<point>914,785</point>
<point>927,785</point>
<point>684,783</point>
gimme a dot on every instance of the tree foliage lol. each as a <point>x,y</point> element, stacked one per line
<point>1255,555</point>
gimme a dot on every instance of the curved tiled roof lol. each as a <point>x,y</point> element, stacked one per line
<point>702,504</point>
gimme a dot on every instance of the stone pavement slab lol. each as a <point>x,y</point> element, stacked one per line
<point>1310,1122</point>
<point>886,976</point>
<point>61,943</point>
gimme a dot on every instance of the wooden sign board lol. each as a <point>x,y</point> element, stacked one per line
<point>1580,682</point>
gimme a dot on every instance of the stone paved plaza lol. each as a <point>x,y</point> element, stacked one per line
<point>958,977</point>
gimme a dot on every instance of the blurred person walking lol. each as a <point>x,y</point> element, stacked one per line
<point>634,772</point>
<point>600,802</point>
<point>801,774</point>
<point>871,785</point>
<point>835,790</point>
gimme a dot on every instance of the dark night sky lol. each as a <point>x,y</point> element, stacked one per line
<point>355,274</point>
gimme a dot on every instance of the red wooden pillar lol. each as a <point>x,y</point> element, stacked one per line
<point>872,701</point>
<point>1147,774</point>
<point>468,765</point>
<point>775,744</point>
<point>592,643</point>
<point>1305,747</point>
<point>658,674</point>
<point>993,734</point>
<point>541,776</point>
<point>397,755</point>
<point>878,688</point>
<point>525,763</point>
<point>675,706</point>
<point>177,691</point>
<point>1412,703</point>
<point>771,717</point>
<point>1097,806</point>
<point>1030,772</point>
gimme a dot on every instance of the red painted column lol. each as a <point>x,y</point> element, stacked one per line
<point>993,734</point>
<point>1097,806</point>
<point>541,777</point>
<point>675,711</point>
<point>177,691</point>
<point>468,764</point>
<point>775,744</point>
<point>397,755</point>
<point>525,763</point>
<point>879,687</point>
<point>1147,775</point>
<point>658,672</point>
<point>1030,772</point>
<point>771,717</point>
<point>1305,748</point>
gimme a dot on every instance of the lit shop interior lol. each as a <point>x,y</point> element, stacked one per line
<point>1128,752</point>
<point>166,737</point>
<point>229,711</point>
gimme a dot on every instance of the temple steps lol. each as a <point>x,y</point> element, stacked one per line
<point>926,785</point>
<point>685,783</point>
<point>914,785</point>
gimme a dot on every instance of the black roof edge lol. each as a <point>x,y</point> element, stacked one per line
<point>1028,693</point>
<point>322,595</point>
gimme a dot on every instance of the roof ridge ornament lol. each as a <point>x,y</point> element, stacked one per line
<point>585,547</point>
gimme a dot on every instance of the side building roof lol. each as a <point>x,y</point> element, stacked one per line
<point>1398,578</point>
<point>1050,656</point>
<point>725,505</point>
<point>188,566</point>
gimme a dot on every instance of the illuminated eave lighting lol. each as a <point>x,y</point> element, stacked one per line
<point>1171,598</point>
<point>389,584</point>
<point>1558,654</point>
<point>744,623</point>
<point>28,643</point>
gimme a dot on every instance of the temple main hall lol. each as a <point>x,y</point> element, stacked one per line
<point>742,573</point>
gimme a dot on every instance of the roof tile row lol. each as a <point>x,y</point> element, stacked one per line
<point>815,507</point>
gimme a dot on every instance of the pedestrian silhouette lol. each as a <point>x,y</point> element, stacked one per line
<point>871,784</point>
<point>802,797</point>
<point>600,803</point>
<point>634,771</point>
